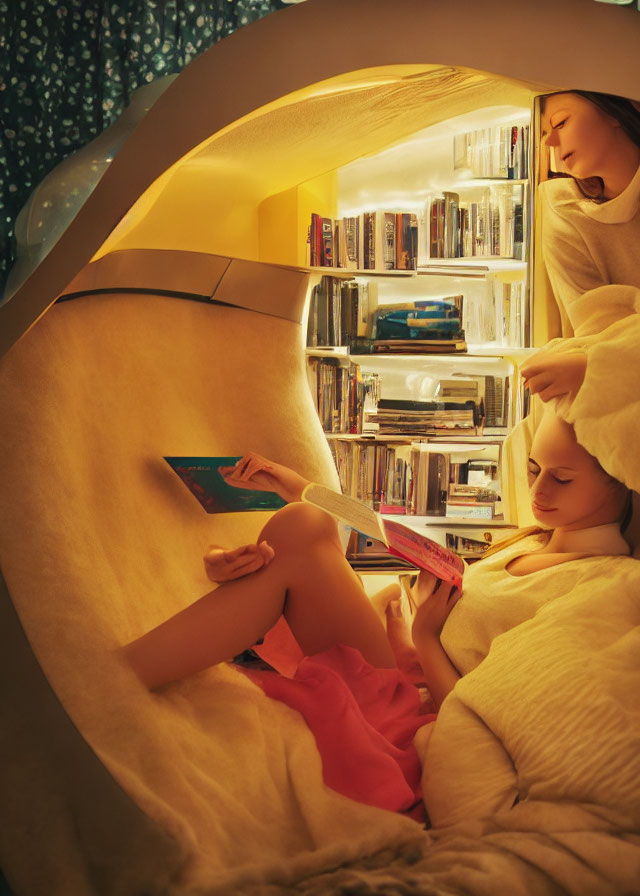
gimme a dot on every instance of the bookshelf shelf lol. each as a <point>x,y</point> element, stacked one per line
<point>437,523</point>
<point>487,181</point>
<point>473,265</point>
<point>441,267</point>
<point>348,273</point>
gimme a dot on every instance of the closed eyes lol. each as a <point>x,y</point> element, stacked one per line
<point>533,471</point>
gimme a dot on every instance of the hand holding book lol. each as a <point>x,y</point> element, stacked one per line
<point>259,474</point>
<point>433,600</point>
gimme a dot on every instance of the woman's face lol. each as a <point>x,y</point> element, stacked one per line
<point>567,486</point>
<point>581,134</point>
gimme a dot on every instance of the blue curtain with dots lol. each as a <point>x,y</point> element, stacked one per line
<point>68,68</point>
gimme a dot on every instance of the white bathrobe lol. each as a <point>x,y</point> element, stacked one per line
<point>592,254</point>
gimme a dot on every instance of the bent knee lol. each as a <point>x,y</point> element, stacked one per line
<point>301,523</point>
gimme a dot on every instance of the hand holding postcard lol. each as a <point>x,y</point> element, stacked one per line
<point>202,477</point>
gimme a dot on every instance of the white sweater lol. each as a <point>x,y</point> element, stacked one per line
<point>495,601</point>
<point>586,245</point>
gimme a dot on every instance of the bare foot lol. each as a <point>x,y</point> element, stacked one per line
<point>399,635</point>
<point>395,606</point>
<point>381,600</point>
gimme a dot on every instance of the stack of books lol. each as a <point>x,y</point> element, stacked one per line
<point>427,326</point>
<point>407,417</point>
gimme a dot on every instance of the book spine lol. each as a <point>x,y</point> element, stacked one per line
<point>351,237</point>
<point>368,219</point>
<point>433,230</point>
<point>326,256</point>
<point>451,233</point>
<point>338,244</point>
<point>437,484</point>
<point>389,241</point>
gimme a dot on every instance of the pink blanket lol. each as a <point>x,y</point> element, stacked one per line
<point>363,719</point>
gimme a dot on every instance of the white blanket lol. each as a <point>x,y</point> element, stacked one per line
<point>532,769</point>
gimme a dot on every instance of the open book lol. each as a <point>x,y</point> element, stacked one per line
<point>398,538</point>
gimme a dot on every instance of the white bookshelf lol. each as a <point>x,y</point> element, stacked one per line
<point>405,177</point>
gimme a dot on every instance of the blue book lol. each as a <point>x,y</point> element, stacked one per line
<point>202,477</point>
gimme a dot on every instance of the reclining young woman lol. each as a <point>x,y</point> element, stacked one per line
<point>298,569</point>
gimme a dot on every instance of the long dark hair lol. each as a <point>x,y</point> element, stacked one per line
<point>626,113</point>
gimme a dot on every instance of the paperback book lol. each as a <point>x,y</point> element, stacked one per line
<point>398,538</point>
<point>202,477</point>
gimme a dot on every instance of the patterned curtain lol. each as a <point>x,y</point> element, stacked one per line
<point>68,68</point>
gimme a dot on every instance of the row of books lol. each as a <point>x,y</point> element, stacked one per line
<point>349,401</point>
<point>340,391</point>
<point>347,313</point>
<point>438,417</point>
<point>498,314</point>
<point>340,312</point>
<point>374,240</point>
<point>495,225</point>
<point>499,151</point>
<point>420,478</point>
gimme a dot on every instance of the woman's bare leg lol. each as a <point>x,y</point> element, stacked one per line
<point>308,580</point>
